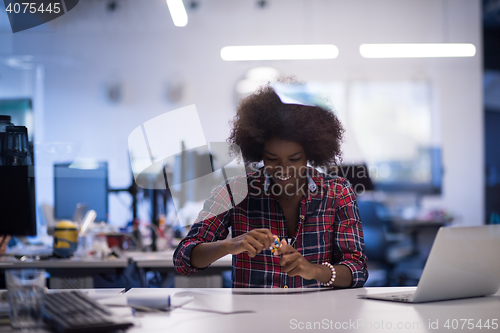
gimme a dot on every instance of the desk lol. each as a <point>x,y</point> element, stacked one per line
<point>162,262</point>
<point>77,273</point>
<point>340,309</point>
<point>73,263</point>
<point>290,312</point>
<point>74,273</point>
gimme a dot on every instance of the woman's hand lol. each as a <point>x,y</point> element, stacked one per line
<point>252,242</point>
<point>294,264</point>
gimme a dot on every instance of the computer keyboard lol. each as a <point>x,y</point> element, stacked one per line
<point>75,312</point>
<point>404,297</point>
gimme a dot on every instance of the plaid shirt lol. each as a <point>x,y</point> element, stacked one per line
<point>329,230</point>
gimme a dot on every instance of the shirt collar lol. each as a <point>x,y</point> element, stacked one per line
<point>310,182</point>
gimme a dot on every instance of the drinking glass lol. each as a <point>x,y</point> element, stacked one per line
<point>26,288</point>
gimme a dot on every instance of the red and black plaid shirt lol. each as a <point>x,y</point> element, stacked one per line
<point>329,230</point>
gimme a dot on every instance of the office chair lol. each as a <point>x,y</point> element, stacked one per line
<point>383,254</point>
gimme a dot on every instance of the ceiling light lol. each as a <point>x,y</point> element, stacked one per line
<point>279,52</point>
<point>248,86</point>
<point>417,50</point>
<point>255,78</point>
<point>178,12</point>
<point>263,73</point>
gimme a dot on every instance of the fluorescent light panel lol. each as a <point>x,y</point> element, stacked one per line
<point>255,78</point>
<point>178,12</point>
<point>279,52</point>
<point>434,50</point>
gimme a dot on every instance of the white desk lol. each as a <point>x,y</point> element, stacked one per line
<point>162,262</point>
<point>69,273</point>
<point>294,312</point>
<point>64,263</point>
<point>290,312</point>
<point>78,272</point>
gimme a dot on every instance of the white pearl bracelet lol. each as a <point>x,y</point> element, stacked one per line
<point>334,275</point>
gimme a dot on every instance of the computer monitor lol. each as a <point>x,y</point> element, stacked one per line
<point>357,174</point>
<point>17,200</point>
<point>423,175</point>
<point>17,182</point>
<point>80,184</point>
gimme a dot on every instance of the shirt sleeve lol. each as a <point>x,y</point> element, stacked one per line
<point>349,246</point>
<point>211,225</point>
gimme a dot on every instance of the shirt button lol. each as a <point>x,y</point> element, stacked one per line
<point>302,217</point>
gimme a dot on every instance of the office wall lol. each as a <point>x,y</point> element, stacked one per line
<point>15,82</point>
<point>137,46</point>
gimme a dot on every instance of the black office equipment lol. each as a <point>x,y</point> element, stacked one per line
<point>17,181</point>
<point>16,149</point>
<point>80,184</point>
<point>74,312</point>
<point>357,174</point>
<point>402,177</point>
<point>17,200</point>
<point>423,176</point>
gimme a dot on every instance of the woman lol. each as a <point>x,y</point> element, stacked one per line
<point>314,214</point>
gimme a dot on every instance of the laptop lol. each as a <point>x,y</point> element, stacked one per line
<point>463,262</point>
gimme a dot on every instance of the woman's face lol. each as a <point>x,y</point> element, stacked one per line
<point>286,162</point>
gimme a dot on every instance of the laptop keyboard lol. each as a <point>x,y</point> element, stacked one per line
<point>404,297</point>
<point>74,312</point>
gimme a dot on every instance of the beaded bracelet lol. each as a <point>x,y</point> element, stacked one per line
<point>334,275</point>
